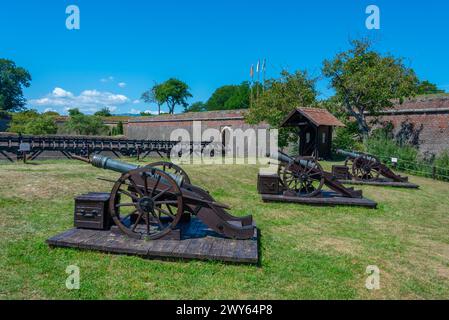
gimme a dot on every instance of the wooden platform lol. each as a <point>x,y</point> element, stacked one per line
<point>197,242</point>
<point>326,199</point>
<point>382,183</point>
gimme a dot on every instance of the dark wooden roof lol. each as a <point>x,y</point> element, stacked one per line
<point>317,116</point>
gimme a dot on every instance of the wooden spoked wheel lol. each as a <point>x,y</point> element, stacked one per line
<point>306,180</point>
<point>365,169</point>
<point>170,167</point>
<point>146,203</point>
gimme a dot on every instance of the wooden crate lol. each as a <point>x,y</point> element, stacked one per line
<point>268,183</point>
<point>92,211</point>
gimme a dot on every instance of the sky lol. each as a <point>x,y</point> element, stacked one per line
<point>123,47</point>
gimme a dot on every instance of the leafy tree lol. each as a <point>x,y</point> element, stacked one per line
<point>230,97</point>
<point>196,107</point>
<point>280,97</point>
<point>172,92</point>
<point>31,122</point>
<point>426,87</point>
<point>44,124</point>
<point>52,113</point>
<point>154,95</point>
<point>105,112</point>
<point>12,79</point>
<point>85,125</point>
<point>74,112</point>
<point>365,81</point>
<point>20,120</point>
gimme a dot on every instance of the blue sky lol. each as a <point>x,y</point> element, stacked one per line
<point>123,47</point>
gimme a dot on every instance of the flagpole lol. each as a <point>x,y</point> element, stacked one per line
<point>251,73</point>
<point>258,79</point>
<point>264,65</point>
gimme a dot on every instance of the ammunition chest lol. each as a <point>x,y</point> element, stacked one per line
<point>92,211</point>
<point>268,183</point>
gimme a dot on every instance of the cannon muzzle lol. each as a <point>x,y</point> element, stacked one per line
<point>280,156</point>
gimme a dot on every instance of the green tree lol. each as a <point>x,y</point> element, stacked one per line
<point>196,107</point>
<point>172,92</point>
<point>31,122</point>
<point>367,82</point>
<point>12,79</point>
<point>426,87</point>
<point>154,95</point>
<point>74,112</point>
<point>85,125</point>
<point>20,120</point>
<point>52,113</point>
<point>281,96</point>
<point>230,97</point>
<point>105,112</point>
<point>44,124</point>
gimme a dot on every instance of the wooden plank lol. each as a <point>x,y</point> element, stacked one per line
<point>203,248</point>
<point>323,201</point>
<point>54,240</point>
<point>162,248</point>
<point>77,238</point>
<point>181,248</point>
<point>382,184</point>
<point>229,251</point>
<point>192,251</point>
<point>216,248</point>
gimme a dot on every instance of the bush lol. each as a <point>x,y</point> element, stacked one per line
<point>85,125</point>
<point>442,165</point>
<point>31,122</point>
<point>347,138</point>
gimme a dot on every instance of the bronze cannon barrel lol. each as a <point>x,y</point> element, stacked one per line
<point>285,158</point>
<point>107,163</point>
<point>353,155</point>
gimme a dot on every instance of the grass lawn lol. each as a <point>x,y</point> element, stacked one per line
<point>307,252</point>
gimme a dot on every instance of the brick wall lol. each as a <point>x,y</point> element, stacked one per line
<point>424,120</point>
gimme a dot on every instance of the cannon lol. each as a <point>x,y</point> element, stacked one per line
<point>305,177</point>
<point>302,179</point>
<point>149,202</point>
<point>364,167</point>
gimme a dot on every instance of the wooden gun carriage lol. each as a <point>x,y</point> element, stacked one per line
<point>302,180</point>
<point>362,168</point>
<point>150,202</point>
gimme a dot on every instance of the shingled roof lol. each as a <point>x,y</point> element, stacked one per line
<point>317,116</point>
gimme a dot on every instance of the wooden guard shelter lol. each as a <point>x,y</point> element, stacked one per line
<point>315,127</point>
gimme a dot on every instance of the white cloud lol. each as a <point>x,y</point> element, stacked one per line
<point>122,84</point>
<point>134,111</point>
<point>108,79</point>
<point>49,110</point>
<point>150,112</point>
<point>136,101</point>
<point>61,93</point>
<point>88,101</point>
